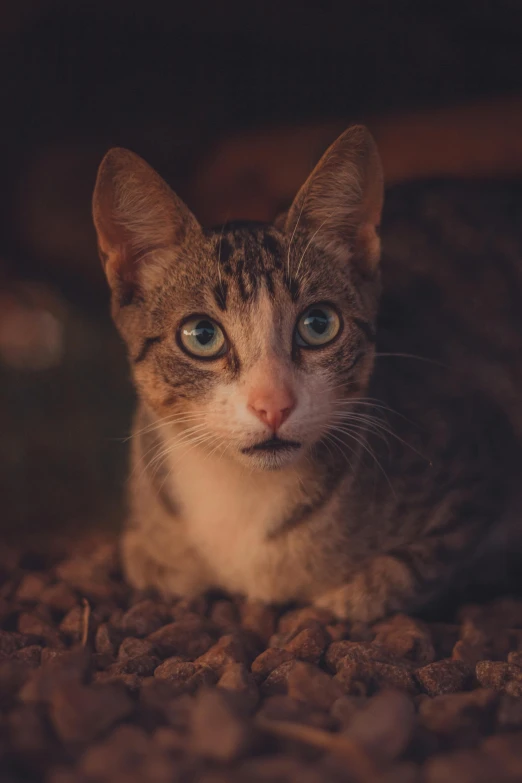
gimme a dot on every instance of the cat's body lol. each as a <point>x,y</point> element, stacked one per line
<point>409,419</point>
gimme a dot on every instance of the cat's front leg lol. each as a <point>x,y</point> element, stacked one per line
<point>397,581</point>
<point>175,572</point>
<point>385,585</point>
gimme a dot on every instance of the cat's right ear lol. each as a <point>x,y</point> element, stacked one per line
<point>340,204</point>
<point>136,215</point>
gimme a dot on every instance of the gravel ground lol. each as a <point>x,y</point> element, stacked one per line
<point>98,683</point>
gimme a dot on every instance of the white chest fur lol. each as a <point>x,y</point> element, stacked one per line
<point>229,513</point>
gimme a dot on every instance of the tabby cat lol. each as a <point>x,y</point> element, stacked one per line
<point>315,424</point>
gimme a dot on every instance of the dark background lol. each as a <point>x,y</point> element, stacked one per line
<point>171,82</point>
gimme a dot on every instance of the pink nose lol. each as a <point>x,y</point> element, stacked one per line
<point>272,408</point>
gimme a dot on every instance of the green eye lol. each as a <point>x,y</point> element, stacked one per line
<point>317,326</point>
<point>202,337</point>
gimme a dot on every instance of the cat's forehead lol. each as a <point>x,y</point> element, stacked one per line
<point>246,258</point>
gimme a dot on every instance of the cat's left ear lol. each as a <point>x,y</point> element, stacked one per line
<point>136,214</point>
<point>340,204</point>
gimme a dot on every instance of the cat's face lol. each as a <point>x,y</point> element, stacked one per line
<point>252,339</point>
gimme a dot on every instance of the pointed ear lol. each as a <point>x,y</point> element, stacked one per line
<point>340,204</point>
<point>135,214</point>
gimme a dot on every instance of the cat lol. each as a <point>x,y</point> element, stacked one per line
<point>315,423</point>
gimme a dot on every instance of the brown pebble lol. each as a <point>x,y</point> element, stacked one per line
<point>384,728</point>
<point>282,768</point>
<point>217,731</point>
<point>31,587</point>
<point>259,618</point>
<point>118,756</point>
<point>309,644</point>
<point>362,677</point>
<point>468,653</point>
<point>113,675</point>
<point>514,688</point>
<point>277,680</point>
<point>13,675</point>
<point>31,624</point>
<point>509,713</point>
<point>463,766</point>
<point>131,648</point>
<point>52,653</point>
<point>360,652</point>
<point>344,709</point>
<point>29,735</point>
<point>445,636</point>
<point>175,671</point>
<point>91,573</point>
<point>105,640</point>
<point>269,660</point>
<point>190,607</point>
<point>144,618</point>
<point>185,677</point>
<point>31,655</point>
<point>406,637</point>
<point>354,678</point>
<point>444,677</point>
<point>156,697</point>
<point>338,631</point>
<point>225,615</point>
<point>455,714</point>
<point>238,680</point>
<point>504,744</point>
<point>389,675</point>
<point>142,665</point>
<point>296,620</point>
<point>169,739</point>
<point>59,597</point>
<point>515,657</point>
<point>69,668</point>
<point>73,623</point>
<point>229,649</point>
<point>62,774</point>
<point>11,641</point>
<point>186,637</point>
<point>80,714</point>
<point>499,675</point>
<point>310,684</point>
<point>284,707</point>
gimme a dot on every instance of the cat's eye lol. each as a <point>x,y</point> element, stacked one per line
<point>202,337</point>
<point>317,326</point>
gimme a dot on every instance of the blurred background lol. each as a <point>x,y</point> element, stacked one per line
<point>233,103</point>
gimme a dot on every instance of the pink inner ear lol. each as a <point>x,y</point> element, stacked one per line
<point>135,212</point>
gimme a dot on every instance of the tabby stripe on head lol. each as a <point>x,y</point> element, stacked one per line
<point>220,292</point>
<point>145,348</point>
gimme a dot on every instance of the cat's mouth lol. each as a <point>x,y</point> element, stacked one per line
<point>272,445</point>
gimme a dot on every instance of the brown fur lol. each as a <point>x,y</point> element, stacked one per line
<point>409,421</point>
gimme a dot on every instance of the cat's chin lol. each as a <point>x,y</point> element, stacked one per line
<point>271,456</point>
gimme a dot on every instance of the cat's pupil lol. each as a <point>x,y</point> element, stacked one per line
<point>317,321</point>
<point>204,332</point>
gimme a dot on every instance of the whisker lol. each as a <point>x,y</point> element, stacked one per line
<point>411,356</point>
<point>308,245</point>
<point>292,239</point>
<point>165,422</point>
<point>370,452</point>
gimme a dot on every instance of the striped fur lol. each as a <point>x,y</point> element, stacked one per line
<point>410,420</point>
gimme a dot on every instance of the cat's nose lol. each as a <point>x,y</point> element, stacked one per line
<point>273,409</point>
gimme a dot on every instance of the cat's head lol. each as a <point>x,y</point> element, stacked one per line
<point>251,339</point>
